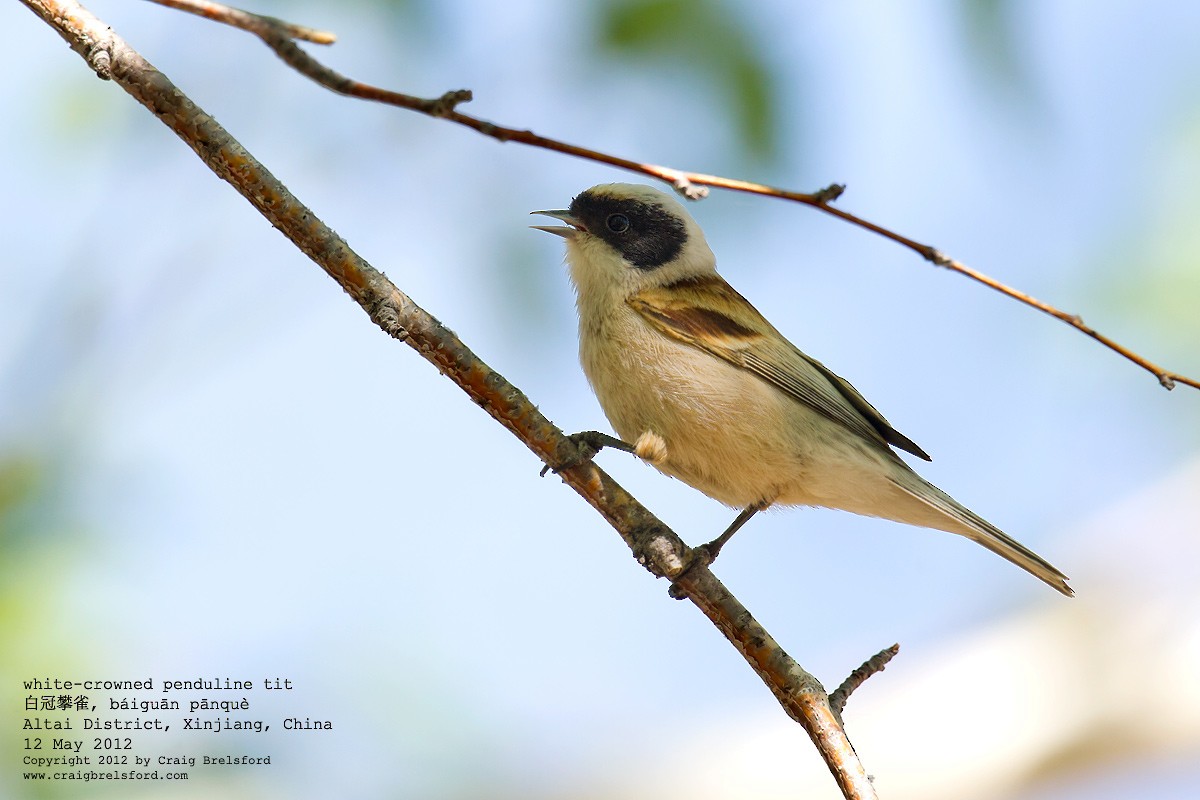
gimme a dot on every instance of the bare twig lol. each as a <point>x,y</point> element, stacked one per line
<point>692,185</point>
<point>255,23</point>
<point>655,546</point>
<point>876,663</point>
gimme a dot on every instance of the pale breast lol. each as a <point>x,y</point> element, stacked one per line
<point>721,424</point>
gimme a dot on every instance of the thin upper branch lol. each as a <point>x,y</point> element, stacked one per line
<point>655,546</point>
<point>278,36</point>
<point>255,23</point>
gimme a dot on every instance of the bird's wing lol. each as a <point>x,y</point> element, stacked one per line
<point>709,314</point>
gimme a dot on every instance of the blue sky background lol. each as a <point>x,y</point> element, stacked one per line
<point>213,464</point>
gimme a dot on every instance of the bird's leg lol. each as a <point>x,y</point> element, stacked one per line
<point>589,443</point>
<point>706,554</point>
<point>713,548</point>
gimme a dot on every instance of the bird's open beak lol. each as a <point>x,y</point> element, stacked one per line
<point>565,216</point>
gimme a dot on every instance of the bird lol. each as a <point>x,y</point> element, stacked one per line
<point>699,384</point>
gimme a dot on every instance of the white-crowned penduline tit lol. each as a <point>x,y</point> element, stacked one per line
<point>711,393</point>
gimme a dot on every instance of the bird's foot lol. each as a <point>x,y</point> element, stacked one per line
<point>706,554</point>
<point>701,557</point>
<point>587,445</point>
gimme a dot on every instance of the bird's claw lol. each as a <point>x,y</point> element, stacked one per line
<point>707,553</point>
<point>587,445</point>
<point>702,556</point>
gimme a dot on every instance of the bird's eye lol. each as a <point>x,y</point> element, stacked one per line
<point>617,223</point>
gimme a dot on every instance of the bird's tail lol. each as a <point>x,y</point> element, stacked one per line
<point>962,520</point>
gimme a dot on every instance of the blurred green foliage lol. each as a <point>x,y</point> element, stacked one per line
<point>992,46</point>
<point>20,481</point>
<point>708,37</point>
<point>1148,271</point>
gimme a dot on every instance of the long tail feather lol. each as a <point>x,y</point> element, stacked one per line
<point>977,529</point>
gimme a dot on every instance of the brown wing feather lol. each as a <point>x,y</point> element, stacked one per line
<point>709,314</point>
